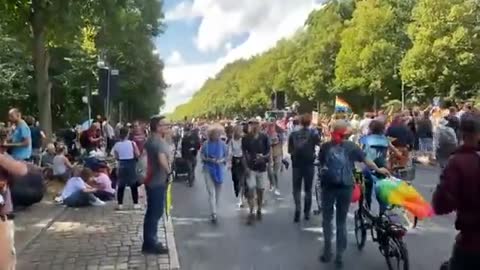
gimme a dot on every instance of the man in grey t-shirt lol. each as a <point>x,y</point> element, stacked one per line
<point>158,170</point>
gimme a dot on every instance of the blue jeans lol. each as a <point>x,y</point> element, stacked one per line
<point>79,199</point>
<point>155,208</point>
<point>341,198</point>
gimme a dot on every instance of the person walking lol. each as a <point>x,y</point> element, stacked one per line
<point>214,156</point>
<point>238,164</point>
<point>445,140</point>
<point>256,148</point>
<point>126,152</point>
<point>189,147</point>
<point>425,135</point>
<point>158,172</point>
<point>275,135</point>
<point>337,160</point>
<point>301,147</point>
<point>457,192</point>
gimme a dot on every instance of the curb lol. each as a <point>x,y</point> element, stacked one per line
<point>27,244</point>
<point>172,248</point>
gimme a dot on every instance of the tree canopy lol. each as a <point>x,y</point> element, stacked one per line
<point>361,50</point>
<point>50,50</point>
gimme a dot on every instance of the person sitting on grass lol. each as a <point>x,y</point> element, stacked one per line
<point>77,193</point>
<point>61,165</point>
<point>46,160</point>
<point>103,184</point>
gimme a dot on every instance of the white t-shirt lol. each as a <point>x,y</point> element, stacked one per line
<point>365,126</point>
<point>124,150</point>
<point>58,165</point>
<point>73,185</point>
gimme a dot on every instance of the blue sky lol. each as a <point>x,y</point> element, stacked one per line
<point>202,36</point>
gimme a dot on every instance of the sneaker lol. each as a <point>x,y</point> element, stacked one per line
<point>307,216</point>
<point>272,188</point>
<point>326,257</point>
<point>98,202</point>
<point>119,207</point>
<point>213,219</point>
<point>277,192</point>
<point>137,207</point>
<point>240,203</point>
<point>296,217</point>
<point>338,262</point>
<point>259,215</point>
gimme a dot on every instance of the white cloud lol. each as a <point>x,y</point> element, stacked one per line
<point>184,81</point>
<point>181,11</point>
<point>264,21</point>
<point>228,46</point>
<point>175,59</point>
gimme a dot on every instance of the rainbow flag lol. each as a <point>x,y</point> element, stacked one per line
<point>341,105</point>
<point>396,192</point>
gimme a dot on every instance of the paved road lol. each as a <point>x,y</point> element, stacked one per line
<point>93,238</point>
<point>277,243</point>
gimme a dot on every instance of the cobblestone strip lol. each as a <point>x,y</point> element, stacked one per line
<point>93,238</point>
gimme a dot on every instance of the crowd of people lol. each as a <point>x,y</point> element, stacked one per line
<point>387,144</point>
<point>256,151</point>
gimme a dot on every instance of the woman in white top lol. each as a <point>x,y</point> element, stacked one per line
<point>238,164</point>
<point>126,152</point>
<point>61,165</point>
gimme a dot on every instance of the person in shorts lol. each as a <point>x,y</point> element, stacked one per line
<point>256,148</point>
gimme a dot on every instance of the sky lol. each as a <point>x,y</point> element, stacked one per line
<point>202,36</point>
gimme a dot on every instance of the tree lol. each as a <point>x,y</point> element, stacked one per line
<point>445,55</point>
<point>70,35</point>
<point>371,50</point>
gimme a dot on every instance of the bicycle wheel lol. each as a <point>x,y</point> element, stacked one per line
<point>396,255</point>
<point>360,230</point>
<point>318,190</point>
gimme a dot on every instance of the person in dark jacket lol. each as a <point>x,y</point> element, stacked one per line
<point>458,191</point>
<point>189,147</point>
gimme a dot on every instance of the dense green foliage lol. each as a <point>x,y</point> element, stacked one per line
<point>362,50</point>
<point>49,53</point>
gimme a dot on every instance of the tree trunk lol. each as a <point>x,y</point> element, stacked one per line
<point>41,62</point>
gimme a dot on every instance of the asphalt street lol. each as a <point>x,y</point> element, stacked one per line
<point>276,243</point>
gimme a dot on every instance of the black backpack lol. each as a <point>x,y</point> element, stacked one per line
<point>303,145</point>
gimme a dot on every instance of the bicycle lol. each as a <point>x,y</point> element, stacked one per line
<point>383,230</point>
<point>318,191</point>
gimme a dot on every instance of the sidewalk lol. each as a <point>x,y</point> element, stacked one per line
<point>96,238</point>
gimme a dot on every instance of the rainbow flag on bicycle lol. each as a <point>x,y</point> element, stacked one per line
<point>393,191</point>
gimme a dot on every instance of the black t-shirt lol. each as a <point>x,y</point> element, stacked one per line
<point>190,145</point>
<point>252,146</point>
<point>36,137</point>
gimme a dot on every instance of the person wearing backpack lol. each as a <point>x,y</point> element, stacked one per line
<point>445,141</point>
<point>301,147</point>
<point>375,146</point>
<point>337,160</point>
